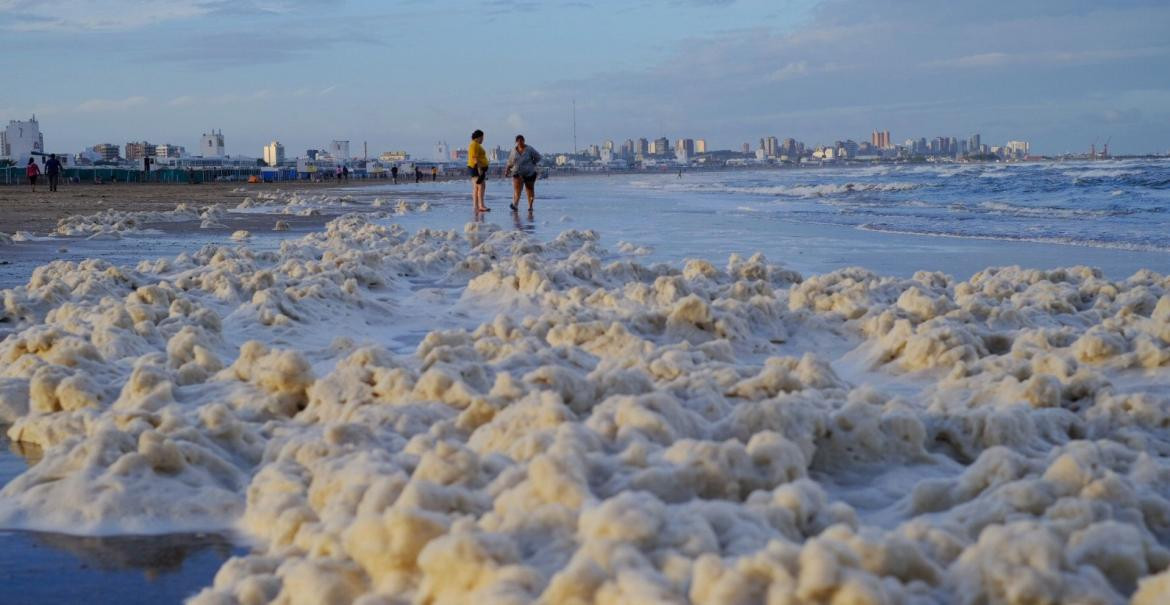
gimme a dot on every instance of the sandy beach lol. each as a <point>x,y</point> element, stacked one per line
<point>24,210</point>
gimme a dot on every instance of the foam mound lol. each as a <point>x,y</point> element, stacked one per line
<point>452,417</point>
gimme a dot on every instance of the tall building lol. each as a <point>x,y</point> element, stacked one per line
<point>442,151</point>
<point>642,148</point>
<point>747,148</point>
<point>211,144</point>
<point>608,144</point>
<point>106,152</point>
<point>700,145</point>
<point>1018,149</point>
<point>274,153</point>
<point>661,146</point>
<point>974,144</point>
<point>684,147</point>
<point>167,150</point>
<point>628,148</point>
<point>136,151</point>
<point>771,146</point>
<point>20,139</point>
<point>339,150</point>
<point>880,139</point>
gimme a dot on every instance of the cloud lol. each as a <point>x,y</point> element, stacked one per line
<point>69,16</point>
<point>106,105</point>
<point>1068,57</point>
<point>1002,67</point>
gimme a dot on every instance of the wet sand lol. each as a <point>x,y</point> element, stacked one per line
<point>23,210</point>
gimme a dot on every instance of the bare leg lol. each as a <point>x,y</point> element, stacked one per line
<point>517,184</point>
<point>531,187</point>
<point>474,194</point>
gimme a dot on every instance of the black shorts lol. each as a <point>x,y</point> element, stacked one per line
<point>32,179</point>
<point>529,180</point>
<point>477,174</point>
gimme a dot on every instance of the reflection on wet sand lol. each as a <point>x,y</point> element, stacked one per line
<point>528,226</point>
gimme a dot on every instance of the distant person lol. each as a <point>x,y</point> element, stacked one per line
<point>417,174</point>
<point>145,169</point>
<point>523,165</point>
<point>53,169</point>
<point>32,171</point>
<point>434,173</point>
<point>339,173</point>
<point>394,173</point>
<point>345,173</point>
<point>477,167</point>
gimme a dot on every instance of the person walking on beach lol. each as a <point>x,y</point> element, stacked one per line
<point>523,165</point>
<point>417,174</point>
<point>434,173</point>
<point>53,169</point>
<point>394,173</point>
<point>32,171</point>
<point>477,167</point>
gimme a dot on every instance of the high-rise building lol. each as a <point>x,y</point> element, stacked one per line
<point>880,139</point>
<point>394,156</point>
<point>274,153</point>
<point>628,148</point>
<point>339,150</point>
<point>211,144</point>
<point>594,151</point>
<point>772,146</point>
<point>136,151</point>
<point>974,144</point>
<point>660,146</point>
<point>700,145</point>
<point>608,145</point>
<point>642,148</point>
<point>442,151</point>
<point>312,153</point>
<point>167,150</point>
<point>747,148</point>
<point>20,139</point>
<point>684,147</point>
<point>789,148</point>
<point>1018,149</point>
<point>106,152</point>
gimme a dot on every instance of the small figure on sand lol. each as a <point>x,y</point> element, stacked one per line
<point>434,173</point>
<point>477,167</point>
<point>32,171</point>
<point>345,172</point>
<point>523,165</point>
<point>53,169</point>
<point>394,173</point>
<point>417,174</point>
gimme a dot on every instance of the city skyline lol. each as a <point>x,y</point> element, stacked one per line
<point>1064,74</point>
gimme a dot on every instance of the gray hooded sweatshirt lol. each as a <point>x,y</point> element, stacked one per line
<point>524,163</point>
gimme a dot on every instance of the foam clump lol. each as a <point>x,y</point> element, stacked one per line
<point>571,425</point>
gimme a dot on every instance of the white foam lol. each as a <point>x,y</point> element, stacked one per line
<point>573,428</point>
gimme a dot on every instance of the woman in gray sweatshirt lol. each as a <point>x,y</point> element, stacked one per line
<point>523,165</point>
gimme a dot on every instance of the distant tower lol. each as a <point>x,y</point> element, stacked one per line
<point>339,150</point>
<point>442,152</point>
<point>21,139</point>
<point>211,144</point>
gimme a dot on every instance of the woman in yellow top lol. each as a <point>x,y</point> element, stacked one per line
<point>477,165</point>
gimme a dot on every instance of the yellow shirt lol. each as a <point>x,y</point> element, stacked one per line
<point>476,156</point>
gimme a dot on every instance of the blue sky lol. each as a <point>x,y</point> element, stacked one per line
<point>402,75</point>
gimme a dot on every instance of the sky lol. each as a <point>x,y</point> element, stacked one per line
<point>1061,74</point>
